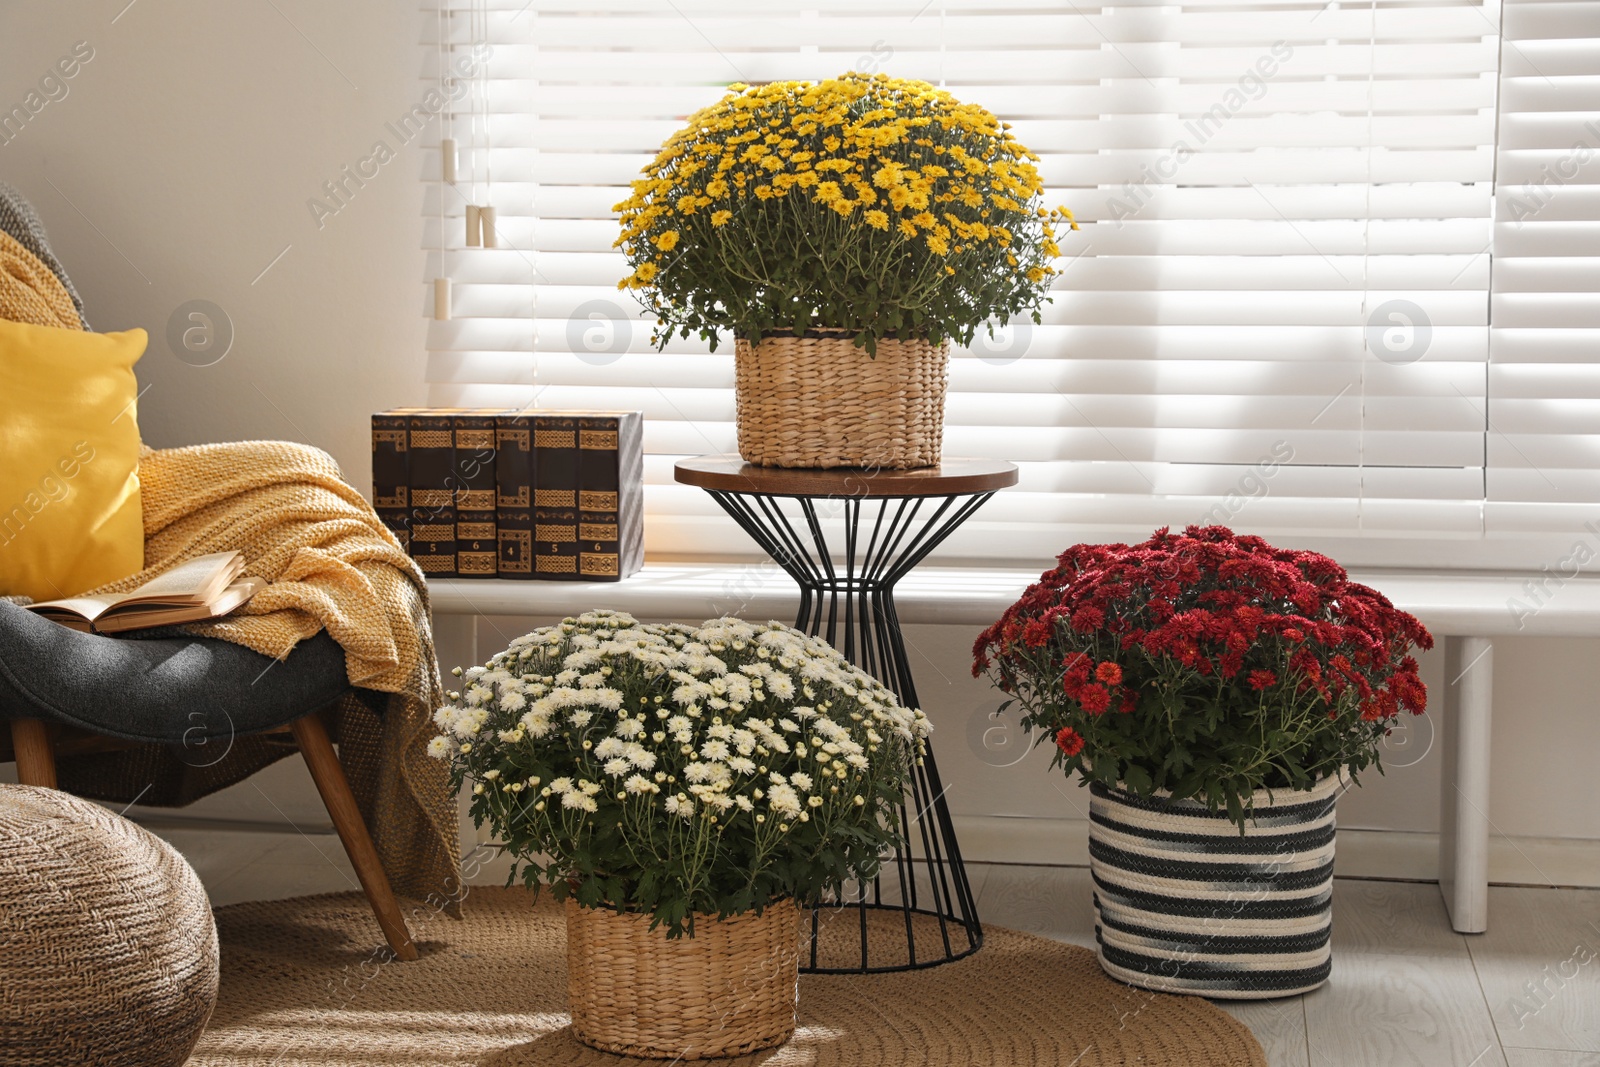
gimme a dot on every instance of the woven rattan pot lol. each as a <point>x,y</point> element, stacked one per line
<point>1184,904</point>
<point>819,401</point>
<point>728,990</point>
<point>108,952</point>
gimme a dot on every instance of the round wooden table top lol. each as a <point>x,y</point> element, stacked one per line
<point>729,473</point>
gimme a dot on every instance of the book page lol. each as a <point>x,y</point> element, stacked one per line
<point>147,616</point>
<point>85,607</point>
<point>193,582</point>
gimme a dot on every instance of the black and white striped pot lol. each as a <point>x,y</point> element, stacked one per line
<point>1184,904</point>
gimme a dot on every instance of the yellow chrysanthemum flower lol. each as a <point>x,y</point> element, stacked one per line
<point>866,153</point>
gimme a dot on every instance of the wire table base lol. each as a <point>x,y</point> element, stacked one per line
<point>850,602</point>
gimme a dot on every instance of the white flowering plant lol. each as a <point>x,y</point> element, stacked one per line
<point>674,770</point>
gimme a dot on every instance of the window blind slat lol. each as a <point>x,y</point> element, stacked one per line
<point>1210,312</point>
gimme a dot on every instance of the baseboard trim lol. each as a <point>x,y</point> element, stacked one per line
<point>1390,854</point>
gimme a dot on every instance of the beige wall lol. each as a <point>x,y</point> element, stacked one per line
<point>178,166</point>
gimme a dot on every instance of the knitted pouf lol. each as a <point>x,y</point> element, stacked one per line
<point>108,952</point>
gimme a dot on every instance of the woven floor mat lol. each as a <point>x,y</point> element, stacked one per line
<point>303,983</point>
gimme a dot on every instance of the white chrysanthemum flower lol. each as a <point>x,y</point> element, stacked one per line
<point>742,765</point>
<point>783,799</point>
<point>580,718</point>
<point>715,750</point>
<point>628,729</point>
<point>744,802</point>
<point>439,748</point>
<point>617,767</point>
<point>640,756</point>
<point>579,802</point>
<point>679,804</point>
<point>513,701</point>
<point>801,781</point>
<point>706,772</point>
<point>610,747</point>
<point>638,783</point>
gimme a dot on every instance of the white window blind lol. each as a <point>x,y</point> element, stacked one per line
<point>1277,313</point>
<point>1544,371</point>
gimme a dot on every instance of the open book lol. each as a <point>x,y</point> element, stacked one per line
<point>203,588</point>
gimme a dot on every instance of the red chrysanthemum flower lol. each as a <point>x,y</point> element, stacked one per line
<point>1036,633</point>
<point>1152,629</point>
<point>1094,698</point>
<point>1068,741</point>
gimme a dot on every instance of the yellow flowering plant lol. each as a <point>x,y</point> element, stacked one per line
<point>875,205</point>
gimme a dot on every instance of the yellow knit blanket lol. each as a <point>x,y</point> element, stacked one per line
<point>332,565</point>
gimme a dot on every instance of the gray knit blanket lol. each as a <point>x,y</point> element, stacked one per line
<point>18,219</point>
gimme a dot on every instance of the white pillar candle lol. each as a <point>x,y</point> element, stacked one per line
<point>486,218</point>
<point>441,299</point>
<point>474,233</point>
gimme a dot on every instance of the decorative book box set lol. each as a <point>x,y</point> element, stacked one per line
<point>493,493</point>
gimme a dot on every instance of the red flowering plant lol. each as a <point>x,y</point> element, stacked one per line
<point>1206,665</point>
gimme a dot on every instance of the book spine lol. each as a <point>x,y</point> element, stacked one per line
<point>390,470</point>
<point>555,544</point>
<point>513,466</point>
<point>555,496</point>
<point>391,474</point>
<point>477,544</point>
<point>433,541</point>
<point>599,555</point>
<point>473,482</point>
<point>431,444</point>
<point>398,522</point>
<point>597,463</point>
<point>610,495</point>
<point>474,469</point>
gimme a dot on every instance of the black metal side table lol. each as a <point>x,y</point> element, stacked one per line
<point>847,596</point>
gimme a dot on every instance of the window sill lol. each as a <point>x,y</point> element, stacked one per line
<point>1483,604</point>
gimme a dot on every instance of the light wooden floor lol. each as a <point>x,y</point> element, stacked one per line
<point>1406,990</point>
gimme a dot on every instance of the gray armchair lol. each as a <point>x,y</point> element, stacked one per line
<point>68,693</point>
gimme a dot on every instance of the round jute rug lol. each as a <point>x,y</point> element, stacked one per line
<point>304,983</point>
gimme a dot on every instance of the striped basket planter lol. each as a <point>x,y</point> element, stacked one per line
<point>1184,904</point>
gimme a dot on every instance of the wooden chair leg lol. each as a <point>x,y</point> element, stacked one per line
<point>326,771</point>
<point>36,759</point>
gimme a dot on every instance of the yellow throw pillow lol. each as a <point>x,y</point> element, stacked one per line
<point>70,518</point>
<point>30,291</point>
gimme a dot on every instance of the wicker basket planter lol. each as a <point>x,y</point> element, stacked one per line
<point>727,991</point>
<point>1184,904</point>
<point>819,401</point>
